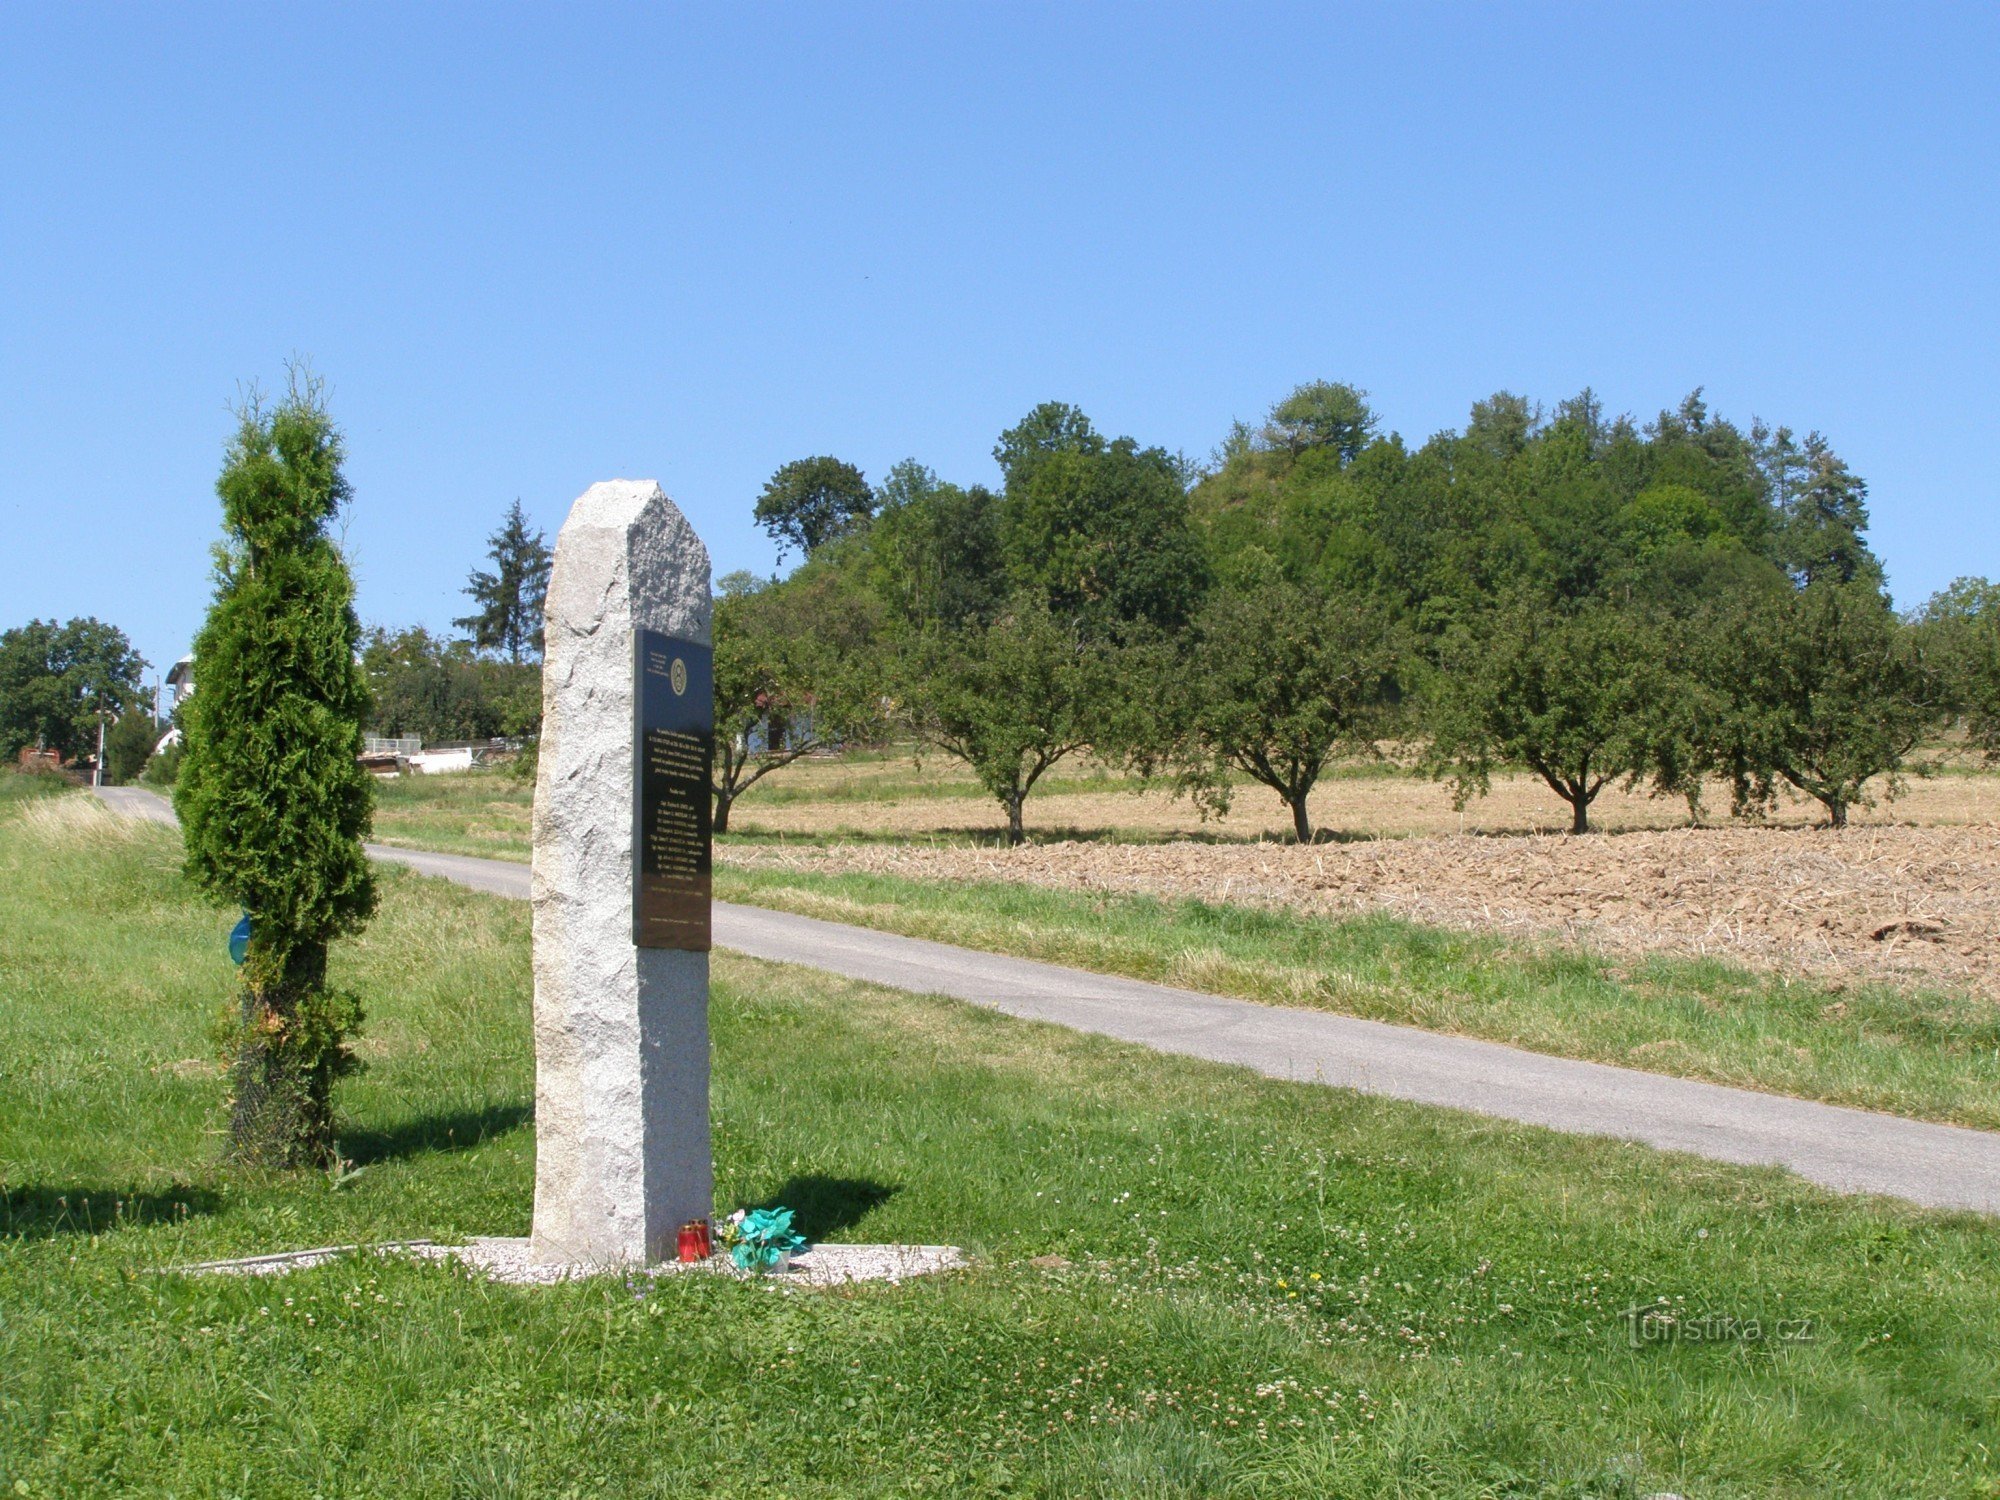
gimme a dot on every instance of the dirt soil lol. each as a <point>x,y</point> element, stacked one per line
<point>1342,807</point>
<point>1909,905</point>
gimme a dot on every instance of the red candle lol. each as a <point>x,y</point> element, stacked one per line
<point>694,1240</point>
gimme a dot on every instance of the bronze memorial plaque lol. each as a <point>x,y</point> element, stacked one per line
<point>674,747</point>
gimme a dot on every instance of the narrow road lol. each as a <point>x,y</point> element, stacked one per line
<point>1850,1150</point>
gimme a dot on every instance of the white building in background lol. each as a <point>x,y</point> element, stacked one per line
<point>180,678</point>
<point>444,758</point>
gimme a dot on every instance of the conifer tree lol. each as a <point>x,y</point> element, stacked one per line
<point>272,800</point>
<point>511,597</point>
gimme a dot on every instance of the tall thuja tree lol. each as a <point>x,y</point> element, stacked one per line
<point>510,598</point>
<point>272,800</point>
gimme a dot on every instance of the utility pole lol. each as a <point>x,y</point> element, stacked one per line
<point>97,771</point>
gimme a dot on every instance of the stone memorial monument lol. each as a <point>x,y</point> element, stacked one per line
<point>621,884</point>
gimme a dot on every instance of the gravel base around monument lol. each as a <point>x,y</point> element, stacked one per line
<point>507,1260</point>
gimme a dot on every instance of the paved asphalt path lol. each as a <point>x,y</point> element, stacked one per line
<point>1851,1150</point>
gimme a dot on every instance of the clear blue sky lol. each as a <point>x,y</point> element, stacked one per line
<point>535,247</point>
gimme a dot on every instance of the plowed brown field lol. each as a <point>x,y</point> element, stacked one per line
<point>1907,904</point>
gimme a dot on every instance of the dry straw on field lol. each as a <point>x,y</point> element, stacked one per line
<point>1912,905</point>
<point>1346,807</point>
<point>72,819</point>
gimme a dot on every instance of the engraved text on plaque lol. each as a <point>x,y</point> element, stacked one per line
<point>674,742</point>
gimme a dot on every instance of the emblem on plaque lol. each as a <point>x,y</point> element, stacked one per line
<point>679,676</point>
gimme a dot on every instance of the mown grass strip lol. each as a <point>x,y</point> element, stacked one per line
<point>1924,1054</point>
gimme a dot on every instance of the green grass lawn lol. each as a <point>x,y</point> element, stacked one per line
<point>1924,1054</point>
<point>29,786</point>
<point>486,813</point>
<point>1272,1289</point>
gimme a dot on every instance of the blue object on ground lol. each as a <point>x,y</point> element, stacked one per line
<point>765,1236</point>
<point>239,939</point>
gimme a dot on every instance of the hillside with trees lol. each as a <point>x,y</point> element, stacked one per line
<point>1592,599</point>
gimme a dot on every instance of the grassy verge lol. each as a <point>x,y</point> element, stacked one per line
<point>485,813</point>
<point>1271,1289</point>
<point>29,786</point>
<point>1928,1055</point>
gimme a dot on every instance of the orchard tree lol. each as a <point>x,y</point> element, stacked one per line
<point>508,619</point>
<point>55,681</point>
<point>1822,689</point>
<point>272,800</point>
<point>1958,631</point>
<point>794,670</point>
<point>1011,699</point>
<point>810,501</point>
<point>1581,696</point>
<point>1282,676</point>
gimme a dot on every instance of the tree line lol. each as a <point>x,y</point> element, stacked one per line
<point>58,680</point>
<point>1595,601</point>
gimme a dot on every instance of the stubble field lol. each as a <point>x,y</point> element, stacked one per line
<point>1901,904</point>
<point>1909,895</point>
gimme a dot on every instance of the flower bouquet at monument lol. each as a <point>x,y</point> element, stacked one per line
<point>761,1239</point>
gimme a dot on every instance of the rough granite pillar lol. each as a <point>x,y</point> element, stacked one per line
<point>621,1032</point>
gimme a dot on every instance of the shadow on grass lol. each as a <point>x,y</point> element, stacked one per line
<point>453,1132</point>
<point>36,1212</point>
<point>976,837</point>
<point>826,1205</point>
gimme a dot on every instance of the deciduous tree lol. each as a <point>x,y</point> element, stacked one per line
<point>1958,631</point>
<point>1052,427</point>
<point>55,680</point>
<point>810,501</point>
<point>434,690</point>
<point>1576,696</point>
<point>1104,536</point>
<point>1282,676</point>
<point>934,549</point>
<point>1822,689</point>
<point>795,672</point>
<point>1322,414</point>
<point>1010,699</point>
